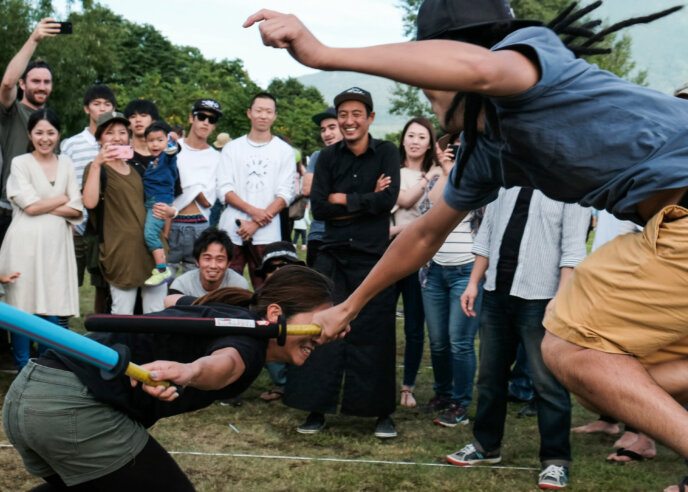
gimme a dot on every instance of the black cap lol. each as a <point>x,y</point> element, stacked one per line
<point>465,20</point>
<point>207,105</point>
<point>279,250</point>
<point>327,114</point>
<point>354,94</point>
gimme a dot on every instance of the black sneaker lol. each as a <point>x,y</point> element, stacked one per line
<point>455,414</point>
<point>315,422</point>
<point>384,429</point>
<point>436,404</point>
<point>528,410</point>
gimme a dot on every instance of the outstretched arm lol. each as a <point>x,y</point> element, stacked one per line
<point>407,253</point>
<point>434,64</point>
<point>15,68</point>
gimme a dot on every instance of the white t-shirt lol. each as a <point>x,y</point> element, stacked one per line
<point>408,179</point>
<point>197,174</point>
<point>258,174</point>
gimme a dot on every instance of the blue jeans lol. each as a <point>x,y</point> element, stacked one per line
<point>278,373</point>
<point>414,326</point>
<point>451,332</point>
<point>152,227</point>
<point>520,382</point>
<point>505,320</point>
<point>21,345</point>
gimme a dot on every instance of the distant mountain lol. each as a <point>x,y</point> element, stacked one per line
<point>659,48</point>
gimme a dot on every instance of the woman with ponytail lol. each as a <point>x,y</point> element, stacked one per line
<point>110,449</point>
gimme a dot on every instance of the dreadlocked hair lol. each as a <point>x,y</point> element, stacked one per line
<point>295,288</point>
<point>580,39</point>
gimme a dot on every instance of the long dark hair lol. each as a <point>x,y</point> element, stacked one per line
<point>430,157</point>
<point>579,38</point>
<point>295,288</point>
<point>46,114</point>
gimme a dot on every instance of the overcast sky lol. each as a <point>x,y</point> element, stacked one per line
<point>214,26</point>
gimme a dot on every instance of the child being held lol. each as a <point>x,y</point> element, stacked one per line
<point>158,186</point>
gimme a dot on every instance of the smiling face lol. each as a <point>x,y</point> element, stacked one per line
<point>116,134</point>
<point>262,114</point>
<point>44,138</point>
<point>296,348</point>
<point>354,121</point>
<point>330,132</point>
<point>156,141</point>
<point>212,263</point>
<point>37,87</point>
<point>416,141</point>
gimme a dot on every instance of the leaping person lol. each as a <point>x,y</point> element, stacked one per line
<point>533,114</point>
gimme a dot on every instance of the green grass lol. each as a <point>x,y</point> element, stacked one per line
<point>269,429</point>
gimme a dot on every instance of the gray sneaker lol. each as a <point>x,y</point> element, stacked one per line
<point>554,477</point>
<point>469,456</point>
<point>315,422</point>
<point>385,428</point>
<point>455,414</point>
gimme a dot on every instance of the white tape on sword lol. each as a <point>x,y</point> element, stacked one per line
<point>336,460</point>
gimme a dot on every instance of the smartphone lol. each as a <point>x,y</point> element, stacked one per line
<point>124,152</point>
<point>65,28</point>
<point>454,149</point>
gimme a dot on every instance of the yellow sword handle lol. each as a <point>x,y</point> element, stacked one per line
<point>140,374</point>
<point>303,330</point>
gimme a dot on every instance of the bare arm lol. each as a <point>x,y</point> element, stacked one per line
<point>65,211</point>
<point>434,64</point>
<point>471,293</point>
<point>8,88</point>
<point>307,182</point>
<point>407,253</point>
<point>212,372</point>
<point>47,205</point>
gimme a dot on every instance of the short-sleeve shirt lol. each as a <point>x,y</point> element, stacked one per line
<point>14,139</point>
<point>176,347</point>
<point>189,283</point>
<point>317,226</point>
<point>581,134</point>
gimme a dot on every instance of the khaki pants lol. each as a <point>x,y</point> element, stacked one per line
<point>630,296</point>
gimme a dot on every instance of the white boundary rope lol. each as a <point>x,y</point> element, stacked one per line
<point>336,460</point>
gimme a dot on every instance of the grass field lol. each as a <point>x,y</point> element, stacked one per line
<point>268,430</point>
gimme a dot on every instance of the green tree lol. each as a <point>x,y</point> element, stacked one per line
<point>296,104</point>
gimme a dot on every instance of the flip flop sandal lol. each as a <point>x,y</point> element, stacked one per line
<point>273,394</point>
<point>407,394</point>
<point>629,454</point>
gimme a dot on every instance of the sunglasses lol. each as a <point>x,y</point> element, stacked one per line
<point>212,118</point>
<point>273,266</point>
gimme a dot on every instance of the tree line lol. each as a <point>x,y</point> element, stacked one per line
<point>137,61</point>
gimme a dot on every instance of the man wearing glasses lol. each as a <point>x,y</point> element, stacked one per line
<point>197,165</point>
<point>255,179</point>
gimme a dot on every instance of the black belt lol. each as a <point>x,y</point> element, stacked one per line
<point>52,363</point>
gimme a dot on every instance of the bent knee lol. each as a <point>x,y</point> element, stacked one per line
<point>556,352</point>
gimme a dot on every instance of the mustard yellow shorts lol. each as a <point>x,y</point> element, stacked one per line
<point>631,295</point>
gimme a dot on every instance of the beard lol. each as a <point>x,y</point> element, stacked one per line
<point>31,97</point>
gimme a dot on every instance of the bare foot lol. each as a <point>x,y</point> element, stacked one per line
<point>644,446</point>
<point>626,439</point>
<point>407,399</point>
<point>597,426</point>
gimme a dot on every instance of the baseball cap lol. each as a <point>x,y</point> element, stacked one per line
<point>207,105</point>
<point>279,250</point>
<point>328,113</point>
<point>354,94</point>
<point>106,119</point>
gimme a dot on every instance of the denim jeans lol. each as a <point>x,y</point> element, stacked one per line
<point>278,373</point>
<point>152,227</point>
<point>520,382</point>
<point>505,320</point>
<point>183,236</point>
<point>451,332</point>
<point>414,326</point>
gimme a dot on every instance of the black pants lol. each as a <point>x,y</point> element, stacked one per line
<point>152,469</point>
<point>365,359</point>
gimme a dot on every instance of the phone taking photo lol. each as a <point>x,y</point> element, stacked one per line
<point>125,152</point>
<point>65,28</point>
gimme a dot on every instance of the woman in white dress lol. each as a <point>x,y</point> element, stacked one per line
<point>45,201</point>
